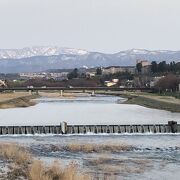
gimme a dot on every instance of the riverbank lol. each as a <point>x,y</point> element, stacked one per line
<point>152,103</point>
<point>149,100</point>
<point>23,99</point>
<point>13,100</point>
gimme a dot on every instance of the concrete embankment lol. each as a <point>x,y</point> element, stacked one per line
<point>63,128</point>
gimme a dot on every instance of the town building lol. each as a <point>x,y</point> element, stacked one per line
<point>44,75</point>
<point>145,66</point>
<point>143,62</point>
<point>109,83</point>
<point>118,69</point>
<point>90,74</point>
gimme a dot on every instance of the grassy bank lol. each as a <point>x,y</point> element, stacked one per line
<point>23,99</point>
<point>152,103</point>
<point>149,100</point>
<point>20,164</point>
<point>16,100</point>
<point>172,94</point>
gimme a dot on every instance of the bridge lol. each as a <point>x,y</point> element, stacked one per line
<point>75,89</point>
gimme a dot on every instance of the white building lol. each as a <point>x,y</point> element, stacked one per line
<point>143,62</point>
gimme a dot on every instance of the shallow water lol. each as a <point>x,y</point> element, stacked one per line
<point>152,156</point>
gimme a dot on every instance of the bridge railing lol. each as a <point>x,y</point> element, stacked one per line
<point>74,88</point>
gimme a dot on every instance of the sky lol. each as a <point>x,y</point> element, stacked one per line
<point>96,25</point>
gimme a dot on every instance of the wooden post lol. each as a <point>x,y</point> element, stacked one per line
<point>64,127</point>
<point>173,126</point>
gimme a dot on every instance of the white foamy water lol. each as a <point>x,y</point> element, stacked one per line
<point>84,110</point>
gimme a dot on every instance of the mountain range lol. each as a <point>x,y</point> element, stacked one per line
<point>39,58</point>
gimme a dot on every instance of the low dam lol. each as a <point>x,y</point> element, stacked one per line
<point>63,128</point>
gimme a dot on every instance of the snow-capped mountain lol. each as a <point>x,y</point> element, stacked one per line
<point>38,51</point>
<point>144,51</point>
<point>42,58</point>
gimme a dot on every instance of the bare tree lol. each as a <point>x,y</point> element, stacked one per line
<point>168,83</point>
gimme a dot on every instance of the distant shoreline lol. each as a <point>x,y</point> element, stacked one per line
<point>148,100</point>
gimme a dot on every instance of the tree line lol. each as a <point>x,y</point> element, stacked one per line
<point>163,67</point>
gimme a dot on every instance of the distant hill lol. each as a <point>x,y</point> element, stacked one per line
<point>44,58</point>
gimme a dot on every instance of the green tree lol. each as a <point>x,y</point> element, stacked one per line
<point>154,67</point>
<point>73,74</point>
<point>172,66</point>
<point>139,67</point>
<point>99,71</point>
<point>162,66</point>
<point>178,67</point>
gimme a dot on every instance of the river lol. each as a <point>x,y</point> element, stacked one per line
<point>152,156</point>
<point>99,110</point>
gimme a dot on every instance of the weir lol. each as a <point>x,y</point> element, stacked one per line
<point>63,128</point>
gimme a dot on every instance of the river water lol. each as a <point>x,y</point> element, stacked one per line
<point>152,156</point>
<point>104,110</point>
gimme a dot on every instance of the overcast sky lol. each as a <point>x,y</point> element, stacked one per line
<point>96,25</point>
